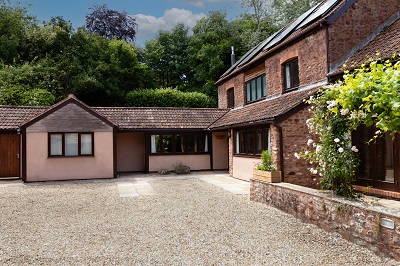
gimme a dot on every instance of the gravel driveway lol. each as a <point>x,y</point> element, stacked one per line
<point>183,222</point>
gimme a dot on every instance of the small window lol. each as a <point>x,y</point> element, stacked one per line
<point>231,98</point>
<point>256,88</point>
<point>70,144</point>
<point>291,74</point>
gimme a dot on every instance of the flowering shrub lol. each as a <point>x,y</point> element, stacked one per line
<point>368,96</point>
<point>266,163</point>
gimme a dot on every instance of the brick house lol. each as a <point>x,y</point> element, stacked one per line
<point>266,88</point>
<point>261,106</point>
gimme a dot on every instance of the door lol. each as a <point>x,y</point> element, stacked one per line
<point>9,155</point>
<point>379,159</point>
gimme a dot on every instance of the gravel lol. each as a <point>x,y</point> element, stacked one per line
<point>188,222</point>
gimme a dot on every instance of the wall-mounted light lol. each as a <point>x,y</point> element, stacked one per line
<point>229,134</point>
<point>387,223</point>
<point>18,131</point>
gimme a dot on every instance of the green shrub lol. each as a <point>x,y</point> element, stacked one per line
<point>266,163</point>
<point>167,97</point>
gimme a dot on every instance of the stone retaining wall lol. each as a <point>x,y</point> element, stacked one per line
<point>357,221</point>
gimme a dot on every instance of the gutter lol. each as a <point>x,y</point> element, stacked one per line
<point>245,124</point>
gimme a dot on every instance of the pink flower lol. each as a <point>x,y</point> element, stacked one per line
<point>354,148</point>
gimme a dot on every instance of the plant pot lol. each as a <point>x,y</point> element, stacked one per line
<point>272,177</point>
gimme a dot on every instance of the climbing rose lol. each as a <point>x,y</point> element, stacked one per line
<point>340,150</point>
<point>354,148</point>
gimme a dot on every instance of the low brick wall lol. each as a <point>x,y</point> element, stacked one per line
<point>356,221</point>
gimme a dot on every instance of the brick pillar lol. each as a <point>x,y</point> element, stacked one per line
<point>275,146</point>
<point>231,147</point>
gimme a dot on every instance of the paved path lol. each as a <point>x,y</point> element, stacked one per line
<point>198,219</point>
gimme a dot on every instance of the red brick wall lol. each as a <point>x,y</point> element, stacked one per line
<point>237,82</point>
<point>357,222</point>
<point>357,23</point>
<point>295,135</point>
<point>311,52</point>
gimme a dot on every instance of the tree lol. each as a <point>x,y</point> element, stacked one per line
<point>210,49</point>
<point>14,21</point>
<point>110,23</point>
<point>167,55</point>
<point>287,10</point>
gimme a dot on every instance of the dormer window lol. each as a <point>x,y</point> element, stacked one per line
<point>230,98</point>
<point>291,74</point>
<point>256,88</point>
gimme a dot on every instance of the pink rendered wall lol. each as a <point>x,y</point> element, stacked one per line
<point>130,152</point>
<point>243,167</point>
<point>220,150</point>
<point>40,167</point>
<point>195,162</point>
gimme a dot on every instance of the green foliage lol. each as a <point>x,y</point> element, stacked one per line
<point>167,55</point>
<point>284,11</point>
<point>367,96</point>
<point>14,21</point>
<point>266,163</point>
<point>210,49</point>
<point>168,98</point>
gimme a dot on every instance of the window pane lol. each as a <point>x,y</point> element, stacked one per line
<point>264,85</point>
<point>155,144</point>
<point>248,93</point>
<point>295,73</point>
<point>167,143</point>
<point>287,76</point>
<point>231,98</point>
<point>202,143</point>
<point>71,144</point>
<point>250,141</point>
<point>384,154</point>
<point>179,143</point>
<point>267,139</point>
<point>259,146</point>
<point>86,144</point>
<point>242,142</point>
<point>55,144</point>
<point>259,88</point>
<point>253,90</point>
<point>191,142</point>
<point>362,135</point>
<point>237,138</point>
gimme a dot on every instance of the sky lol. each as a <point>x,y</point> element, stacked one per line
<point>151,15</point>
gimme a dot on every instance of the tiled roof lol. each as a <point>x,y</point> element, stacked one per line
<point>12,117</point>
<point>161,118</point>
<point>300,28</point>
<point>264,110</point>
<point>386,42</point>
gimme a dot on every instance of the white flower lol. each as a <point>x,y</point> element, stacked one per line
<point>336,140</point>
<point>331,104</point>
<point>306,152</point>
<point>340,150</point>
<point>315,172</point>
<point>296,155</point>
<point>309,142</point>
<point>318,148</point>
<point>328,128</point>
<point>320,174</point>
<point>354,148</point>
<point>344,111</point>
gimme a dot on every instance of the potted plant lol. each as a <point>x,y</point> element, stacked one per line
<point>266,170</point>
